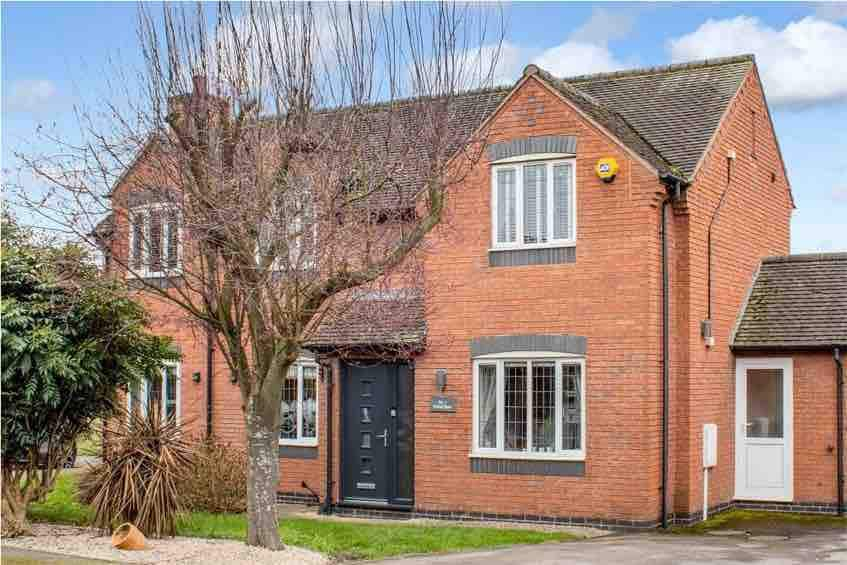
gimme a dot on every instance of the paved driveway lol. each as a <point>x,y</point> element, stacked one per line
<point>661,549</point>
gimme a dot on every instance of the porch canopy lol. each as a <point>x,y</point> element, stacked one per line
<point>388,323</point>
<point>796,302</point>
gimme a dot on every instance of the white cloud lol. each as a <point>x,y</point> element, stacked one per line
<point>604,26</point>
<point>839,194</point>
<point>30,95</point>
<point>801,64</point>
<point>573,58</point>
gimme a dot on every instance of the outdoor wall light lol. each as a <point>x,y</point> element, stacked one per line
<point>195,376</point>
<point>441,379</point>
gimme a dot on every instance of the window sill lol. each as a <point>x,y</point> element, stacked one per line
<point>527,456</point>
<point>521,247</point>
<point>299,442</point>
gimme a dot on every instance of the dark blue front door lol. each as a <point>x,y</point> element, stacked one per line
<point>378,437</point>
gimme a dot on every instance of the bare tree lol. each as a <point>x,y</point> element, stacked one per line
<point>276,161</point>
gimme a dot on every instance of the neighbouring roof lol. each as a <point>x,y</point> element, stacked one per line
<point>676,109</point>
<point>392,320</point>
<point>796,301</point>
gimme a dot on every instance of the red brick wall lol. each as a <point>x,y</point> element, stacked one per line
<point>610,294</point>
<point>754,222</point>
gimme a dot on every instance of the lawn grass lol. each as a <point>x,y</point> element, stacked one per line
<point>337,539</point>
<point>61,505</point>
<point>744,520</point>
<point>91,442</point>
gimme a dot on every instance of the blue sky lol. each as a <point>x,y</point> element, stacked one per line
<point>57,55</point>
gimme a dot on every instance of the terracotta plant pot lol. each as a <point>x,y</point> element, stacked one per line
<point>128,537</point>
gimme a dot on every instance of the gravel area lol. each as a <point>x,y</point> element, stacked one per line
<point>90,543</point>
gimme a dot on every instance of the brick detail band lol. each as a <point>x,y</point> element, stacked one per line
<point>522,257</point>
<point>297,452</point>
<point>680,519</point>
<point>532,145</point>
<point>527,467</point>
<point>296,498</point>
<point>488,345</point>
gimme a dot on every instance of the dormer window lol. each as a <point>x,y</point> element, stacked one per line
<point>154,240</point>
<point>533,204</point>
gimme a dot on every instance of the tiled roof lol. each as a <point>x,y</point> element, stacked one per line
<point>676,108</point>
<point>796,301</point>
<point>393,320</point>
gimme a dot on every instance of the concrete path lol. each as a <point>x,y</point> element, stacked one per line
<point>19,556</point>
<point>660,549</point>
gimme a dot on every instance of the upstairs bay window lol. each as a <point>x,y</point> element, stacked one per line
<point>154,240</point>
<point>299,406</point>
<point>529,408</point>
<point>533,204</point>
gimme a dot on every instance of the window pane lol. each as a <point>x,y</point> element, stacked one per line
<point>173,242</point>
<point>170,392</point>
<point>562,228</point>
<point>288,426</point>
<point>155,240</point>
<point>535,203</point>
<point>544,407</point>
<point>137,258</point>
<point>764,403</point>
<point>487,406</point>
<point>506,206</point>
<point>310,402</point>
<point>571,407</point>
<point>515,400</point>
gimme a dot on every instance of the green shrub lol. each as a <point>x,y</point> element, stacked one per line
<point>137,481</point>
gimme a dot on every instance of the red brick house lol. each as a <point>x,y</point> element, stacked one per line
<point>576,332</point>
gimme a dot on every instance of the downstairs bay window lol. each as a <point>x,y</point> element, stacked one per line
<point>529,408</point>
<point>164,392</point>
<point>533,204</point>
<point>299,406</point>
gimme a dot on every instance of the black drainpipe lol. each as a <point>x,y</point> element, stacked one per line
<point>839,419</point>
<point>326,507</point>
<point>210,360</point>
<point>674,187</point>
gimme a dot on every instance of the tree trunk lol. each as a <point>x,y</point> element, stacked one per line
<point>14,522</point>
<point>263,471</point>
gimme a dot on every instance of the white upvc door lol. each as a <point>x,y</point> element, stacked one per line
<point>764,438</point>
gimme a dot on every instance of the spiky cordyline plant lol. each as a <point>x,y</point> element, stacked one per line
<point>137,481</point>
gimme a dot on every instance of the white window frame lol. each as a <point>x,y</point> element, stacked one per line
<point>144,385</point>
<point>145,270</point>
<point>301,441</point>
<point>500,359</point>
<point>518,166</point>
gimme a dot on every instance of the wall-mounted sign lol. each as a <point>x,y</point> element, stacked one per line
<point>606,169</point>
<point>443,404</point>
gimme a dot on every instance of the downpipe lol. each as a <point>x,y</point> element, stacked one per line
<point>674,186</point>
<point>839,422</point>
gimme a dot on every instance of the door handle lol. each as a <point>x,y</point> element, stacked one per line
<point>384,437</point>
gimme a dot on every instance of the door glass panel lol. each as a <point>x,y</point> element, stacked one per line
<point>366,440</point>
<point>764,403</point>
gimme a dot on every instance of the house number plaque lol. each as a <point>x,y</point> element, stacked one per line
<point>443,404</point>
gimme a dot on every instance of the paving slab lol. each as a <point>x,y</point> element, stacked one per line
<point>658,549</point>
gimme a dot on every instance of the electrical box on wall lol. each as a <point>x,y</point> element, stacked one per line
<point>710,445</point>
